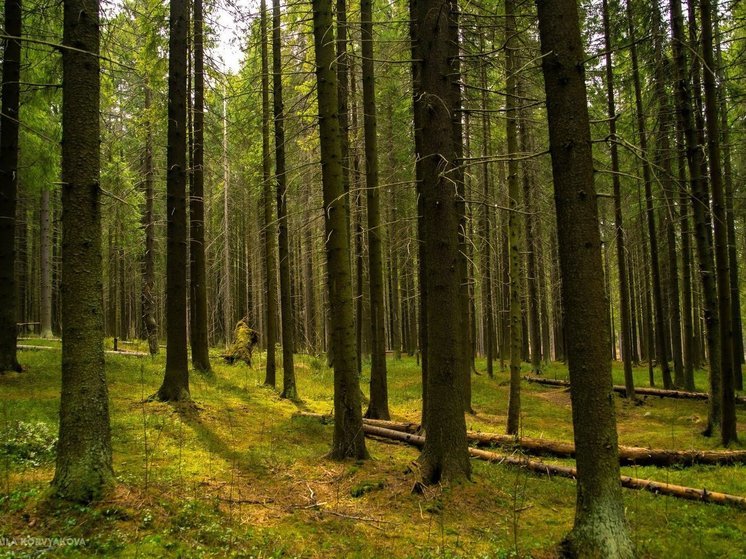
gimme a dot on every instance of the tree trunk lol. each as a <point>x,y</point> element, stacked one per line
<point>268,228</point>
<point>349,440</point>
<point>445,455</point>
<point>9,186</point>
<point>289,389</point>
<point>176,380</point>
<point>719,214</point>
<point>514,241</point>
<point>83,470</point>
<point>600,528</point>
<point>378,408</point>
<point>198,272</point>
<point>45,268</point>
<point>148,224</point>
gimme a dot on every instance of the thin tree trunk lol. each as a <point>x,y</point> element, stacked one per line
<point>624,298</point>
<point>83,470</point>
<point>657,295</point>
<point>600,529</point>
<point>514,193</point>
<point>378,408</point>
<point>197,272</point>
<point>9,125</point>
<point>148,223</point>
<point>45,268</point>
<point>268,228</point>
<point>289,389</point>
<point>486,230</point>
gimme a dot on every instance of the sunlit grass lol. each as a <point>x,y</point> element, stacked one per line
<point>242,474</point>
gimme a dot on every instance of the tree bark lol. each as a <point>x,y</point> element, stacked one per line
<point>176,380</point>
<point>349,440</point>
<point>626,327</point>
<point>378,408</point>
<point>9,125</point>
<point>719,213</point>
<point>289,389</point>
<point>83,470</point>
<point>600,528</point>
<point>268,228</point>
<point>444,456</point>
<point>198,271</point>
<point>514,240</point>
<point>45,265</point>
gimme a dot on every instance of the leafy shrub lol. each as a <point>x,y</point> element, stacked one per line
<point>28,443</point>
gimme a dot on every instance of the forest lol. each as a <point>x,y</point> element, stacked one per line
<point>370,279</point>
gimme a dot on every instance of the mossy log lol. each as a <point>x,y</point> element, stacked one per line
<point>682,394</point>
<point>536,466</point>
<point>628,455</point>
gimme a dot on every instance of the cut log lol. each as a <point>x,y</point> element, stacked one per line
<point>536,466</point>
<point>681,394</point>
<point>58,348</point>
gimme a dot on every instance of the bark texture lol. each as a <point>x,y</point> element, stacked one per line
<point>83,470</point>
<point>600,529</point>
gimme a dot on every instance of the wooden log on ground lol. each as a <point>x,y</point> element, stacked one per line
<point>24,347</point>
<point>681,394</point>
<point>679,491</point>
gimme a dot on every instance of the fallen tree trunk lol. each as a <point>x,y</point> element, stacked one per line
<point>681,394</point>
<point>628,455</point>
<point>26,347</point>
<point>536,466</point>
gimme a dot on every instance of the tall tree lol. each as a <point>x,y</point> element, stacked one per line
<point>600,528</point>
<point>514,235</point>
<point>45,265</point>
<point>176,380</point>
<point>719,214</point>
<point>147,296</point>
<point>289,389</point>
<point>618,216</point>
<point>268,228</point>
<point>9,125</point>
<point>378,408</point>
<point>445,455</point>
<point>198,269</point>
<point>84,470</point>
<point>349,440</point>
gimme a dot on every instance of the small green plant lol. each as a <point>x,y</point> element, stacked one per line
<point>28,443</point>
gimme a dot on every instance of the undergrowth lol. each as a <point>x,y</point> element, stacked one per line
<point>243,474</point>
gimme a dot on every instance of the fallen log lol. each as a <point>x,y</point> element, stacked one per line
<point>628,455</point>
<point>26,347</point>
<point>681,394</point>
<point>679,491</point>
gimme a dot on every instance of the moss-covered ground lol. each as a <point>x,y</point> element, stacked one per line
<point>241,474</point>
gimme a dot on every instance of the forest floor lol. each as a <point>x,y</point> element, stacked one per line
<point>242,474</point>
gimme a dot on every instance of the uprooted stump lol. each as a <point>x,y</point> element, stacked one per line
<point>244,341</point>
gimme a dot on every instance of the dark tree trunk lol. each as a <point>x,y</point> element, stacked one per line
<point>514,241</point>
<point>719,211</point>
<point>378,408</point>
<point>600,528</point>
<point>445,455</point>
<point>621,254</point>
<point>198,272</point>
<point>267,219</point>
<point>349,440</point>
<point>289,389</point>
<point>83,471</point>
<point>45,265</point>
<point>148,224</point>
<point>9,186</point>
<point>176,380</point>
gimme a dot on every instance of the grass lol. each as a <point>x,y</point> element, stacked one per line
<point>242,475</point>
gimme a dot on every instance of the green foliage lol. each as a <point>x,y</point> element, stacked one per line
<point>26,443</point>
